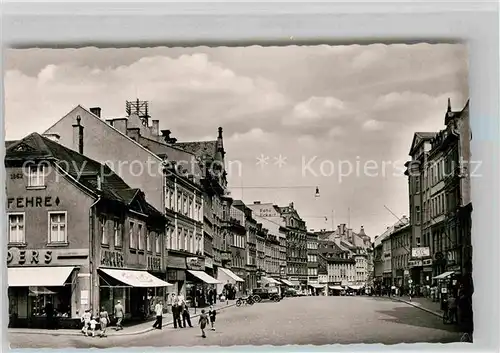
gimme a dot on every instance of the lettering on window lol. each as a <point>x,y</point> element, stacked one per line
<point>111,258</point>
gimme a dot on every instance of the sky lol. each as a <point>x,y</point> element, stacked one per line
<point>340,118</point>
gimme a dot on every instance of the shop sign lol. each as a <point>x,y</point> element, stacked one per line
<point>32,202</point>
<point>427,262</point>
<point>195,263</point>
<point>111,258</point>
<point>154,263</point>
<point>176,262</point>
<point>415,263</point>
<point>420,252</point>
<point>209,263</point>
<point>29,257</point>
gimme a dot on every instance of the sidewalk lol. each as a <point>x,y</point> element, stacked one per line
<point>424,304</point>
<point>137,329</point>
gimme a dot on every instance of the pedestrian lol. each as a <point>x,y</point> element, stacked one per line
<point>176,313</point>
<point>49,314</point>
<point>103,321</point>
<point>186,316</point>
<point>203,323</point>
<point>159,315</point>
<point>86,317</point>
<point>119,314</point>
<point>93,325</point>
<point>211,314</point>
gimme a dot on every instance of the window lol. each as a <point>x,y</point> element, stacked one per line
<point>417,184</point>
<point>157,243</point>
<point>417,213</point>
<point>131,236</point>
<point>117,229</point>
<point>177,235</point>
<point>148,240</point>
<point>57,227</point>
<point>103,230</point>
<point>140,237</point>
<point>36,176</point>
<point>16,228</point>
<point>179,200</point>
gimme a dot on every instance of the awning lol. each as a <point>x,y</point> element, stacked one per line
<point>38,276</point>
<point>40,291</point>
<point>288,283</point>
<point>355,287</point>
<point>315,285</point>
<point>336,288</point>
<point>270,280</point>
<point>204,277</point>
<point>138,279</point>
<point>444,275</point>
<point>231,274</point>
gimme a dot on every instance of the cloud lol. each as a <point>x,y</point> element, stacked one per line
<point>303,102</point>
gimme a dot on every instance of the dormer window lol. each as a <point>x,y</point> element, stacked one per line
<point>36,176</point>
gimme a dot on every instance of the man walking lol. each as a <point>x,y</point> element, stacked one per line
<point>186,317</point>
<point>176,313</point>
<point>119,314</point>
<point>159,315</point>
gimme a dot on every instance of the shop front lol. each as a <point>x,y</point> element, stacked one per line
<point>136,289</point>
<point>201,288</point>
<point>336,288</point>
<point>176,274</point>
<point>315,289</point>
<point>230,283</point>
<point>44,281</point>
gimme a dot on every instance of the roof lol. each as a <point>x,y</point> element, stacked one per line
<point>201,149</point>
<point>83,169</point>
<point>8,143</point>
<point>420,137</point>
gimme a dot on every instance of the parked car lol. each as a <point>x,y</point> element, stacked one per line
<point>290,292</point>
<point>265,293</point>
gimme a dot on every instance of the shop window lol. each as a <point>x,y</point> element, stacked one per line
<point>16,228</point>
<point>36,176</point>
<point>57,227</point>
<point>118,235</point>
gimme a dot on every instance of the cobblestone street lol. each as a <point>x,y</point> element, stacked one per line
<point>308,320</point>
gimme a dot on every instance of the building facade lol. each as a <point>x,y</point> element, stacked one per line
<point>312,262</point>
<point>296,246</point>
<point>401,253</point>
<point>76,260</point>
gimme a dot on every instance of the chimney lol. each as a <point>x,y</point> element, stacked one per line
<point>78,135</point>
<point>166,134</point>
<point>155,128</point>
<point>256,202</point>
<point>96,111</point>
<point>53,137</point>
<point>121,125</point>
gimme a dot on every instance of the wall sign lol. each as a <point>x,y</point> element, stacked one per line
<point>154,263</point>
<point>111,258</point>
<point>195,264</point>
<point>176,262</point>
<point>29,257</point>
<point>32,202</point>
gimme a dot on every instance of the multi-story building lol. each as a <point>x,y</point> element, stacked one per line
<point>296,246</point>
<point>401,253</point>
<point>387,260</point>
<point>261,250</point>
<point>134,149</point>
<point>312,262</point>
<point>443,237</point>
<point>79,237</point>
<point>250,246</point>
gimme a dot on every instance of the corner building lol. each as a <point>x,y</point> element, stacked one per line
<point>76,238</point>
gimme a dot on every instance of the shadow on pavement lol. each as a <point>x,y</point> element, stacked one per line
<point>416,317</point>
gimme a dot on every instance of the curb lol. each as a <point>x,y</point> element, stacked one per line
<point>112,334</point>
<point>419,307</point>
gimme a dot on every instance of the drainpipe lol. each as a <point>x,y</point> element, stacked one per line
<point>92,266</point>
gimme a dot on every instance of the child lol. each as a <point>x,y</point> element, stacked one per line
<point>211,315</point>
<point>93,325</point>
<point>203,323</point>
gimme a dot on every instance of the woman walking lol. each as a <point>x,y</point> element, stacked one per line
<point>104,321</point>
<point>203,323</point>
